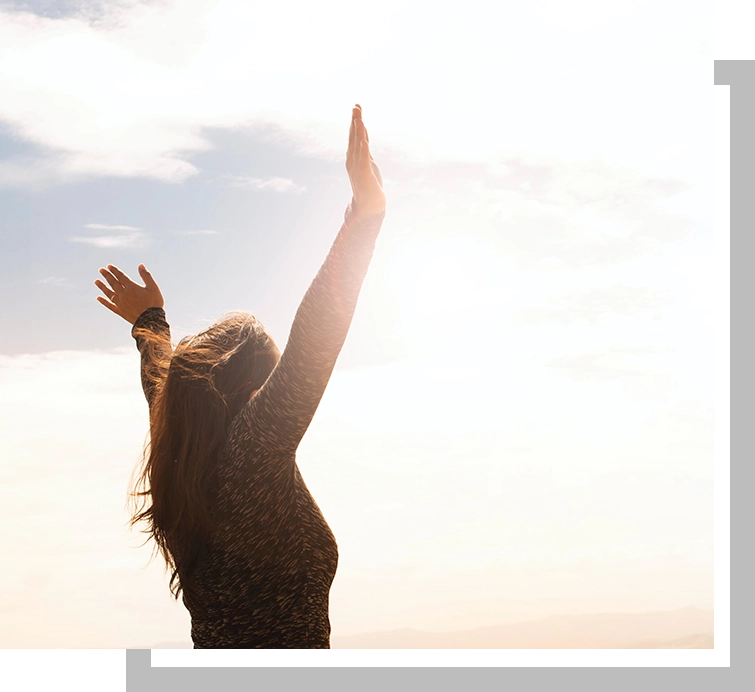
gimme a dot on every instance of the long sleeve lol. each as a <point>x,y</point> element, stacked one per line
<point>280,413</point>
<point>152,334</point>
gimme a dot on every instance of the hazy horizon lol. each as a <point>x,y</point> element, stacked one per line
<point>684,628</point>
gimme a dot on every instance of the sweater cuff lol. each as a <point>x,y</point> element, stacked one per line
<point>150,318</point>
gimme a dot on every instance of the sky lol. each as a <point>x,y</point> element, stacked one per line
<point>521,421</point>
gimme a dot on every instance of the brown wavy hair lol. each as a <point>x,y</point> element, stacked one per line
<point>196,391</point>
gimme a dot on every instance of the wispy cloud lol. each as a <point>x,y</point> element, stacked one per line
<point>199,232</point>
<point>53,281</point>
<point>545,212</point>
<point>274,184</point>
<point>109,227</point>
<point>113,235</point>
<point>641,368</point>
<point>593,306</point>
<point>95,12</point>
<point>130,240</point>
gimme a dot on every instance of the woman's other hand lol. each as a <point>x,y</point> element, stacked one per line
<point>126,298</point>
<point>366,181</point>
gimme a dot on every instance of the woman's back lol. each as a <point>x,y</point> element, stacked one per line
<point>267,575</point>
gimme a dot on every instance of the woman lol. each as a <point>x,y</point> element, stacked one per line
<point>220,490</point>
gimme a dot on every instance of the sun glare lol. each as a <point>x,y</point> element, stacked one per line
<point>459,278</point>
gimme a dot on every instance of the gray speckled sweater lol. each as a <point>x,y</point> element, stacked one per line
<point>266,579</point>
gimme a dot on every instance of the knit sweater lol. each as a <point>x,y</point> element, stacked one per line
<point>265,579</point>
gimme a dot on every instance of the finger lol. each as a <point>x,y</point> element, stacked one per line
<point>149,282</point>
<point>105,289</point>
<point>108,305</point>
<point>361,133</point>
<point>351,151</point>
<point>114,283</point>
<point>359,137</point>
<point>363,129</point>
<point>121,276</point>
<point>365,162</point>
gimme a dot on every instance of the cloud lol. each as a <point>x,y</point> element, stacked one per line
<point>134,236</point>
<point>27,171</point>
<point>199,232</point>
<point>544,212</point>
<point>263,184</point>
<point>53,281</point>
<point>108,227</point>
<point>109,241</point>
<point>639,368</point>
<point>132,93</point>
<point>93,410</point>
<point>592,307</point>
<point>90,11</point>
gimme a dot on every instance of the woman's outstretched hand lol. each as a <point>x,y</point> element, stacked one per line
<point>125,297</point>
<point>366,181</point>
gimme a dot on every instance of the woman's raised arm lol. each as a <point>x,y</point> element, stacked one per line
<point>279,414</point>
<point>142,307</point>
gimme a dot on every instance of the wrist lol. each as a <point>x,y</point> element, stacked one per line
<point>148,313</point>
<point>356,212</point>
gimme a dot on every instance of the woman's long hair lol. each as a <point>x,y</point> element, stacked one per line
<point>197,390</point>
